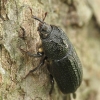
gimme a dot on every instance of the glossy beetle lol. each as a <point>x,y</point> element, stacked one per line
<point>63,63</point>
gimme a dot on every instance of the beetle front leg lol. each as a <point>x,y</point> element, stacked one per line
<point>40,53</point>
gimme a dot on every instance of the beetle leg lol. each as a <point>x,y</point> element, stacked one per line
<point>39,54</point>
<point>40,65</point>
<point>52,84</point>
<point>74,95</point>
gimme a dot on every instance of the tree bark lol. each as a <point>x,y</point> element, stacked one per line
<point>19,30</point>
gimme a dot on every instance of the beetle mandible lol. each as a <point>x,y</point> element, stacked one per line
<point>63,63</point>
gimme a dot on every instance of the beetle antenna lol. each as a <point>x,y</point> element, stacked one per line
<point>45,16</point>
<point>38,19</point>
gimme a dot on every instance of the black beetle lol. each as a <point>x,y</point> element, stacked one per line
<point>62,60</point>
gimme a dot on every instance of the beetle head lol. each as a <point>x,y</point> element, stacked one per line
<point>44,29</point>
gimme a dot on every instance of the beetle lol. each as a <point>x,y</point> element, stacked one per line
<point>63,62</point>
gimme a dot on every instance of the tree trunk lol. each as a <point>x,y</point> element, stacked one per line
<point>18,30</point>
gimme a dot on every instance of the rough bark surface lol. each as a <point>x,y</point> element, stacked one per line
<point>80,19</point>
